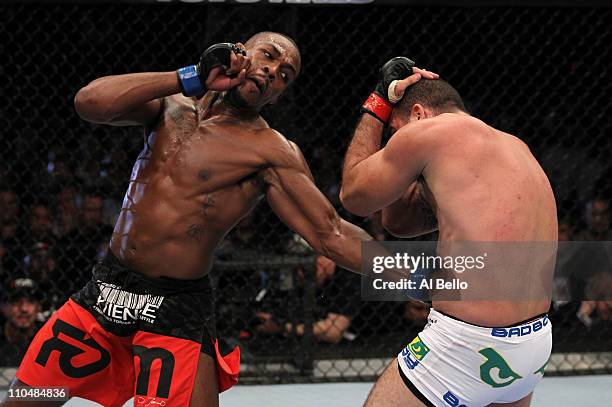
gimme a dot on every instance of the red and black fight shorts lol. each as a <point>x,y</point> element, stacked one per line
<point>125,334</point>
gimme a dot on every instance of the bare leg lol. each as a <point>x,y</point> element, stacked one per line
<point>524,402</point>
<point>6,402</point>
<point>391,391</point>
<point>205,391</point>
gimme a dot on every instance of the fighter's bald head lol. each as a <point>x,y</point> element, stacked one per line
<point>283,42</point>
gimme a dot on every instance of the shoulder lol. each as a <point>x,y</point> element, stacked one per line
<point>518,142</point>
<point>277,149</point>
<point>282,156</point>
<point>444,125</point>
<point>441,131</point>
<point>273,137</point>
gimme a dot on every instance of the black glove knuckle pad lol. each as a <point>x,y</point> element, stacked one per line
<point>214,56</point>
<point>397,68</point>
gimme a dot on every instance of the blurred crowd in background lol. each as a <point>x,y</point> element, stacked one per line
<point>58,225</point>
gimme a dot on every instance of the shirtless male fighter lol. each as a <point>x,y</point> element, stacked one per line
<point>144,326</point>
<point>444,169</point>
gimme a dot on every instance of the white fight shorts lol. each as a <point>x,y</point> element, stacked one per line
<point>455,364</point>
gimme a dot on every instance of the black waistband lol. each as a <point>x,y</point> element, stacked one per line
<point>111,270</point>
<point>507,326</point>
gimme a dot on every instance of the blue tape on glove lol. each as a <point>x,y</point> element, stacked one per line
<point>190,81</point>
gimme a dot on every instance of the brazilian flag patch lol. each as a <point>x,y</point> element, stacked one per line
<point>418,349</point>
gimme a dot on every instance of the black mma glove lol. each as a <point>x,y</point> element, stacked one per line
<point>380,102</point>
<point>192,78</point>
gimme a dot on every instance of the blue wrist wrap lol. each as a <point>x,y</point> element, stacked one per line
<point>190,81</point>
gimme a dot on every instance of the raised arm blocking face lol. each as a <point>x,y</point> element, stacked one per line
<point>294,197</point>
<point>125,100</point>
<point>382,178</point>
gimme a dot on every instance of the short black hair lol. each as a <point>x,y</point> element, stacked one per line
<point>271,33</point>
<point>256,36</point>
<point>437,94</point>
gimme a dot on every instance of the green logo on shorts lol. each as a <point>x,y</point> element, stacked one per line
<point>543,368</point>
<point>418,348</point>
<point>496,364</point>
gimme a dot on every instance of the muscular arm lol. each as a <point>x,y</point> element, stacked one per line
<point>294,197</point>
<point>373,179</point>
<point>411,215</point>
<point>123,100</point>
<point>366,141</point>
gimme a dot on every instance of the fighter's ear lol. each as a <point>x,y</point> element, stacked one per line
<point>417,112</point>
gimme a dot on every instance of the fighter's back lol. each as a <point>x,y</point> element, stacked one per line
<point>196,176</point>
<point>486,186</point>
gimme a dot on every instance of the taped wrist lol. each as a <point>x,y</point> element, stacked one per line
<point>378,107</point>
<point>189,80</point>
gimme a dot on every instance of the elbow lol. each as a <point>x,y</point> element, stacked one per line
<point>352,203</point>
<point>341,251</point>
<point>333,245</point>
<point>89,106</point>
<point>83,101</point>
<point>330,246</point>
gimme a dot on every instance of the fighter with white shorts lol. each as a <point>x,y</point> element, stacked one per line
<point>453,363</point>
<point>443,169</point>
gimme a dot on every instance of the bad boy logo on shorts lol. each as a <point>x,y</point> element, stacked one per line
<point>122,307</point>
<point>495,371</point>
<point>523,330</point>
<point>452,400</point>
<point>414,352</point>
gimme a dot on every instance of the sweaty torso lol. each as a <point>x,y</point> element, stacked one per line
<point>196,177</point>
<point>486,186</point>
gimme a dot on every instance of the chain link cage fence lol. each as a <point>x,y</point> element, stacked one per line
<point>538,73</point>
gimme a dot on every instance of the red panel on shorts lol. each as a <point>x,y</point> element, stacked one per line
<point>72,350</point>
<point>228,367</point>
<point>165,369</point>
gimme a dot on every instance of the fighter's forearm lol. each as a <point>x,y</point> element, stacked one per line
<point>366,141</point>
<point>344,245</point>
<point>110,97</point>
<point>345,250</point>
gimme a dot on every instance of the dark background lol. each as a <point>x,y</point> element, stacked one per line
<point>538,73</point>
